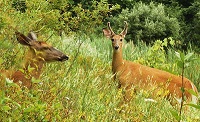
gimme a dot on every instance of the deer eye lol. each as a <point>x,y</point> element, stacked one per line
<point>46,48</point>
<point>112,40</point>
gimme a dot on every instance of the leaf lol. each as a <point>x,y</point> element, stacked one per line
<point>1,60</point>
<point>180,64</point>
<point>27,110</point>
<point>5,108</point>
<point>17,104</point>
<point>22,70</point>
<point>188,56</point>
<point>193,59</point>
<point>187,64</point>
<point>7,99</point>
<point>172,42</point>
<point>175,115</point>
<point>182,57</point>
<point>182,89</point>
<point>8,81</point>
<point>177,54</point>
<point>193,92</point>
<point>194,105</point>
<point>165,42</point>
<point>11,83</point>
<point>30,69</point>
<point>34,80</point>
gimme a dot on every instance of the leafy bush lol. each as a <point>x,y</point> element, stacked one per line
<point>191,27</point>
<point>182,22</point>
<point>81,16</point>
<point>48,18</point>
<point>148,22</point>
<point>57,16</point>
<point>156,56</point>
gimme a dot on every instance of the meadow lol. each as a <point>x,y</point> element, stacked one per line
<point>82,88</point>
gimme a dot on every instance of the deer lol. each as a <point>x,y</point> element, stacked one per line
<point>38,54</point>
<point>132,76</point>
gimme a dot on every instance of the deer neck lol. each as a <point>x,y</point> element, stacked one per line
<point>117,60</point>
<point>34,64</point>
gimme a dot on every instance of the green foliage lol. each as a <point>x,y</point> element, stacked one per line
<point>156,56</point>
<point>175,115</point>
<point>180,20</point>
<point>191,27</point>
<point>148,22</point>
<point>123,5</point>
<point>183,62</point>
<point>76,17</point>
<point>195,106</point>
<point>19,5</point>
<point>82,89</point>
<point>57,16</point>
<point>46,18</point>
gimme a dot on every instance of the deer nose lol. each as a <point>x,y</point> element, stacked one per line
<point>116,47</point>
<point>64,57</point>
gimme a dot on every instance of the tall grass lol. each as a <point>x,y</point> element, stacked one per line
<point>82,89</point>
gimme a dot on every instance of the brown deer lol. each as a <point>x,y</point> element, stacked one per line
<point>133,76</point>
<point>39,53</point>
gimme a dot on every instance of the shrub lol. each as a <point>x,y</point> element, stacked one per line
<point>148,22</point>
<point>191,27</point>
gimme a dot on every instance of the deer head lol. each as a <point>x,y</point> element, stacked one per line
<point>117,40</point>
<point>44,50</point>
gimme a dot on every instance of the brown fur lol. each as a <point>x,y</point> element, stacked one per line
<point>136,76</point>
<point>39,53</point>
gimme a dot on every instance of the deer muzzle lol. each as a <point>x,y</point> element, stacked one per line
<point>63,58</point>
<point>116,47</point>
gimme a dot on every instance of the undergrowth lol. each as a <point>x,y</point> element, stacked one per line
<point>82,89</point>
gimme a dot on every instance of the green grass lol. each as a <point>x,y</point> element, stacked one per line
<point>82,89</point>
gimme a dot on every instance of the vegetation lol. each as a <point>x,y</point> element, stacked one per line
<point>82,89</point>
<point>176,18</point>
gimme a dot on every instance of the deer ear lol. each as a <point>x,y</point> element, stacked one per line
<point>32,36</point>
<point>107,33</point>
<point>22,39</point>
